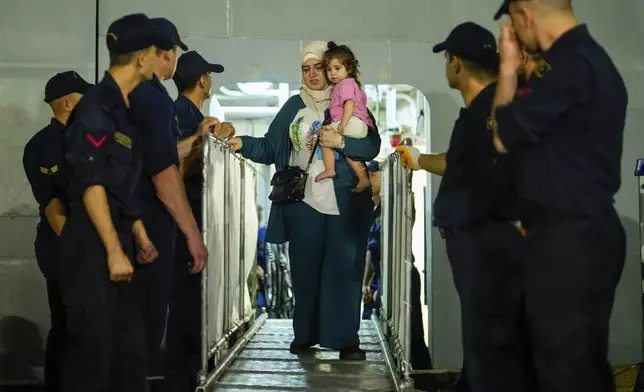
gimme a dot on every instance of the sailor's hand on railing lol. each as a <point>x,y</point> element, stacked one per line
<point>235,144</point>
<point>409,156</point>
<point>224,130</point>
<point>199,253</point>
<point>207,124</point>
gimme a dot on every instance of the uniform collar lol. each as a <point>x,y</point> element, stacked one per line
<point>188,102</point>
<point>157,83</point>
<point>57,125</point>
<point>570,38</point>
<point>113,92</point>
<point>191,106</point>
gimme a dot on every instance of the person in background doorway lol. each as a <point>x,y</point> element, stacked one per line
<point>183,344</point>
<point>328,230</point>
<point>567,123</point>
<point>43,161</point>
<point>105,341</point>
<point>371,289</point>
<point>260,267</point>
<point>475,211</point>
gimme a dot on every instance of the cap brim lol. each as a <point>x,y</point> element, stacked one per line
<point>85,88</point>
<point>439,47</point>
<point>182,45</point>
<point>504,9</point>
<point>216,68</point>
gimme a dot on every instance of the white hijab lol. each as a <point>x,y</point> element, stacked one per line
<point>317,100</point>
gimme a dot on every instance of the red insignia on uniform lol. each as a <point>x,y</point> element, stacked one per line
<point>96,143</point>
<point>524,91</point>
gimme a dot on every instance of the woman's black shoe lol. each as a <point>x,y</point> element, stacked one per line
<point>352,353</point>
<point>299,348</point>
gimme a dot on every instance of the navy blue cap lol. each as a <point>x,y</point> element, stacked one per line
<point>131,33</point>
<point>167,35</point>
<point>471,42</point>
<point>191,66</point>
<point>373,166</point>
<point>65,83</point>
<point>504,9</point>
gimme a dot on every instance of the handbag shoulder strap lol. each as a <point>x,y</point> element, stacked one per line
<point>315,147</point>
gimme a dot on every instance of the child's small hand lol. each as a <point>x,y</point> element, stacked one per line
<point>341,127</point>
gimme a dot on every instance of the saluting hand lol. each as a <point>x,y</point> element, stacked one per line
<point>509,50</point>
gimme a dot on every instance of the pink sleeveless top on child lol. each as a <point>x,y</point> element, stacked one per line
<point>344,91</point>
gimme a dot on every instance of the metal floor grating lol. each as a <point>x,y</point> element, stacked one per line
<point>266,364</point>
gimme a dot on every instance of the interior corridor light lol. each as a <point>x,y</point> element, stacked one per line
<point>231,93</point>
<point>250,110</point>
<point>254,88</point>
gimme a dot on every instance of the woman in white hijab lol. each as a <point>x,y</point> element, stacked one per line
<point>327,231</point>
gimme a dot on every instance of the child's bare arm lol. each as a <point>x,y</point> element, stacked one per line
<point>349,106</point>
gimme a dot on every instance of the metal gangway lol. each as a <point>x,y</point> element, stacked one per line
<point>243,351</point>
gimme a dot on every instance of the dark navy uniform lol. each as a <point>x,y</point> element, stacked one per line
<point>105,339</point>
<point>43,161</point>
<point>152,111</point>
<point>483,245</point>
<point>570,118</point>
<point>184,323</point>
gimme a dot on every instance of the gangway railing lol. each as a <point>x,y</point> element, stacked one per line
<point>229,228</point>
<point>394,327</point>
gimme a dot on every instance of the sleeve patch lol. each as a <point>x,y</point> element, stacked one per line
<point>123,140</point>
<point>51,170</point>
<point>542,67</point>
<point>97,143</point>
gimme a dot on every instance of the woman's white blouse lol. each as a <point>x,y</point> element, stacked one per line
<point>319,195</point>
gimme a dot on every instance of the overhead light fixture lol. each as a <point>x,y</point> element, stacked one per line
<point>254,88</point>
<point>231,93</point>
<point>250,110</point>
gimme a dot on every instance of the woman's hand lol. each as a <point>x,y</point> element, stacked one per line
<point>330,137</point>
<point>235,144</point>
<point>147,252</point>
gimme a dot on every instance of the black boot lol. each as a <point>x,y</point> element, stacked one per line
<point>352,353</point>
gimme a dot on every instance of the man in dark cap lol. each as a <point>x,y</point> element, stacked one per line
<point>162,191</point>
<point>567,124</point>
<point>105,343</point>
<point>474,211</point>
<point>43,161</point>
<point>183,338</point>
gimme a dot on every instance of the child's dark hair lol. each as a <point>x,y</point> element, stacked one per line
<point>345,56</point>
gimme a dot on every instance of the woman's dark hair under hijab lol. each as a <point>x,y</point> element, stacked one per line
<point>345,56</point>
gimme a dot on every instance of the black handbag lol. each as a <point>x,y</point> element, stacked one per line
<point>289,184</point>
